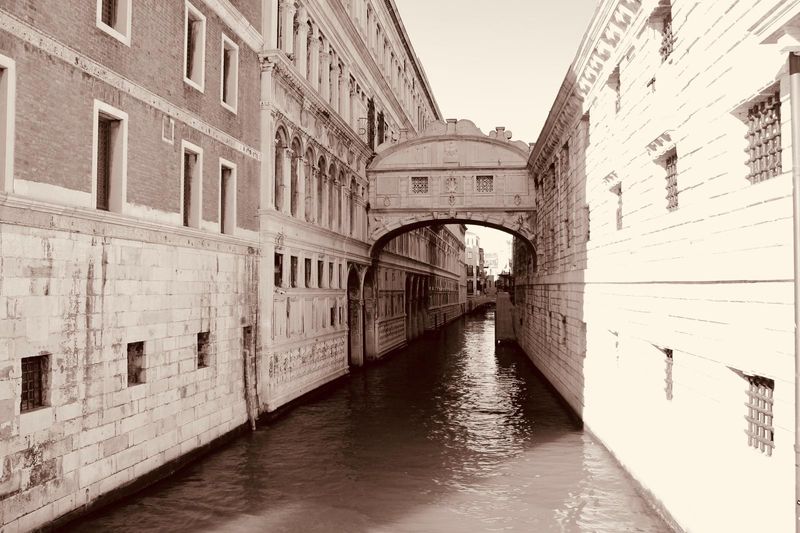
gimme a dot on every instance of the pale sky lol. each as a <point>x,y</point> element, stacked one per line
<point>497,63</point>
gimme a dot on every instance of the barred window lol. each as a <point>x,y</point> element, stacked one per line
<point>135,363</point>
<point>34,373</point>
<point>668,373</point>
<point>760,432</point>
<point>203,349</point>
<point>671,165</point>
<point>419,185</point>
<point>484,184</point>
<point>617,191</point>
<point>764,138</point>
<point>667,37</point>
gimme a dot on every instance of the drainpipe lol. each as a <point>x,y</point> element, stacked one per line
<point>794,83</point>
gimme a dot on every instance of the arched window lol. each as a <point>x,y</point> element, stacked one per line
<point>353,197</point>
<point>309,193</point>
<point>280,153</point>
<point>294,184</point>
<point>320,189</point>
<point>332,203</point>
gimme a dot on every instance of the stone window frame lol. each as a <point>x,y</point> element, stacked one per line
<point>8,90</point>
<point>43,385</point>
<point>118,179</point>
<point>196,215</point>
<point>121,29</point>
<point>228,225</point>
<point>199,50</point>
<point>481,181</point>
<point>419,185</point>
<point>228,45</point>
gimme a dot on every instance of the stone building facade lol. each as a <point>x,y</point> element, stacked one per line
<point>659,300</point>
<point>183,239</point>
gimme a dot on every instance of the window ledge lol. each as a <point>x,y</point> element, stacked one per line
<point>121,37</point>
<point>35,420</point>
<point>229,107</point>
<point>194,84</point>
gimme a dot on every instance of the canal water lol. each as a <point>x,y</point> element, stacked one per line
<point>452,434</point>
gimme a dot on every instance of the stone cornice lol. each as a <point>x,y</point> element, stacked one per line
<point>611,22</point>
<point>237,22</point>
<point>770,26</point>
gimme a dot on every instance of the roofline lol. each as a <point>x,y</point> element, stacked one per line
<point>395,13</point>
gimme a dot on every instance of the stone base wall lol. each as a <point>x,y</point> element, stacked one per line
<point>439,316</point>
<point>78,291</point>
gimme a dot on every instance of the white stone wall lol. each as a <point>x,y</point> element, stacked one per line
<point>712,280</point>
<point>80,291</point>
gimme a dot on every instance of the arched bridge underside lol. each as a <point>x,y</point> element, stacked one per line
<point>451,173</point>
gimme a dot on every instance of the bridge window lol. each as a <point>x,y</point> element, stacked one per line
<point>671,166</point>
<point>484,184</point>
<point>764,137</point>
<point>760,432</point>
<point>419,185</point>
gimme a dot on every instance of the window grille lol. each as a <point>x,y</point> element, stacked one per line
<point>419,185</point>
<point>33,382</point>
<point>135,363</point>
<point>760,432</point>
<point>484,184</point>
<point>108,12</point>
<point>671,166</point>
<point>668,373</point>
<point>764,137</point>
<point>103,162</point>
<point>667,37</point>
<point>203,346</point>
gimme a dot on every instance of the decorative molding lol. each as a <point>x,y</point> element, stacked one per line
<point>237,22</point>
<point>661,145</point>
<point>47,44</point>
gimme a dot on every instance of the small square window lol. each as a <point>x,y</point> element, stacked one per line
<point>194,47</point>
<point>419,185</point>
<point>114,18</point>
<point>484,184</point>
<point>135,363</point>
<point>203,349</point>
<point>34,382</point>
<point>230,74</point>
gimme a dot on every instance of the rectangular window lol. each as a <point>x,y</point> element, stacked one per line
<point>278,270</point>
<point>192,184</point>
<point>484,184</point>
<point>7,104</point>
<point>419,185</point>
<point>617,191</point>
<point>34,381</point>
<point>330,276</point>
<point>667,37</point>
<point>203,349</point>
<point>135,363</point>
<point>340,276</point>
<point>671,166</point>
<point>615,85</point>
<point>109,157</point>
<point>293,270</point>
<point>320,272</point>
<point>227,197</point>
<point>333,316</point>
<point>307,272</point>
<point>194,47</point>
<point>230,74</point>
<point>764,139</point>
<point>760,431</point>
<point>114,18</point>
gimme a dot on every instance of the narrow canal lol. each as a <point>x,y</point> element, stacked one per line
<point>451,435</point>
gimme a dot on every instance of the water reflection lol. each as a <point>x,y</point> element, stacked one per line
<point>450,435</point>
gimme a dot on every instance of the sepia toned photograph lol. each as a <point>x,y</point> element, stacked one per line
<point>400,266</point>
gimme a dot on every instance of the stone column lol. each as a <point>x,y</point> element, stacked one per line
<point>314,57</point>
<point>325,65</point>
<point>288,11</point>
<point>301,50</point>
